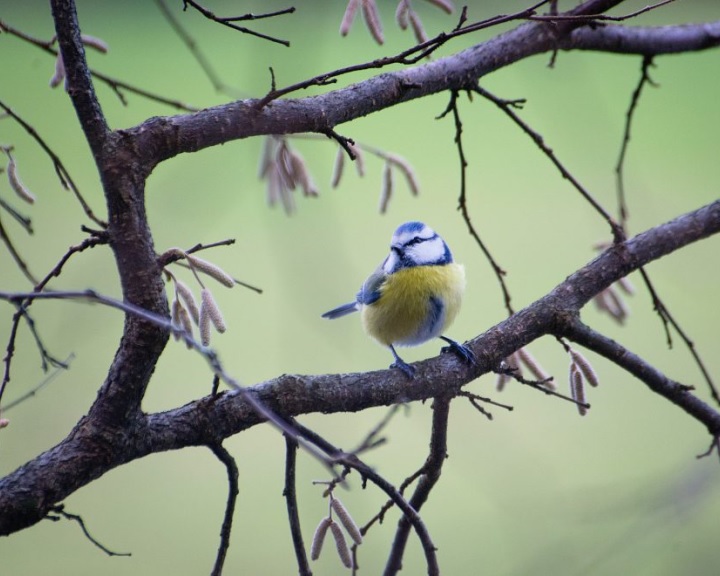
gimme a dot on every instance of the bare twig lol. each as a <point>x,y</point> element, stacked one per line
<point>65,179</point>
<point>555,17</point>
<point>60,510</point>
<point>647,62</point>
<point>24,221</point>
<point>192,46</point>
<point>367,473</point>
<point>228,461</point>
<point>44,382</point>
<point>507,107</point>
<point>19,261</point>
<point>99,237</point>
<point>431,471</point>
<point>290,494</point>
<point>677,393</point>
<point>230,21</point>
<point>117,86</point>
<point>409,56</point>
<point>668,320</point>
<point>462,200</point>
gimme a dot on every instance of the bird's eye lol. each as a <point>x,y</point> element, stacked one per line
<point>414,241</point>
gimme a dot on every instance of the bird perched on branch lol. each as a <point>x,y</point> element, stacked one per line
<point>413,296</point>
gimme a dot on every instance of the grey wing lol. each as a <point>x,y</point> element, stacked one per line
<point>370,291</point>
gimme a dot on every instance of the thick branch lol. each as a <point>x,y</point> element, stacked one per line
<point>162,138</point>
<point>27,494</point>
<point>677,393</point>
<point>80,88</point>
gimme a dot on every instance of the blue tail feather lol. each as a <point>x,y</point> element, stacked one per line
<point>341,311</point>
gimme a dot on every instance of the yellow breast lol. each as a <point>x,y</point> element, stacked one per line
<point>415,304</point>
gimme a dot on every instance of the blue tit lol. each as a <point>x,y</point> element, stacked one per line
<point>413,296</point>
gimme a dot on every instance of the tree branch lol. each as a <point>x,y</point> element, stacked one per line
<point>162,138</point>
<point>95,447</point>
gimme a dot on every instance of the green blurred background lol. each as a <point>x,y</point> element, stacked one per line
<point>538,490</point>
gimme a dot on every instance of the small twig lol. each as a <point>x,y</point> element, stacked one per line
<point>345,143</point>
<point>475,400</point>
<point>677,393</point>
<point>462,200</point>
<point>407,57</point>
<point>44,382</point>
<point>21,264</point>
<point>596,17</point>
<point>371,440</point>
<point>539,385</point>
<point>117,86</point>
<point>714,446</point>
<point>430,475</point>
<point>232,472</point>
<point>192,46</point>
<point>99,237</point>
<point>507,107</point>
<point>647,62</point>
<point>290,494</point>
<point>24,221</point>
<point>60,510</point>
<point>173,257</point>
<point>668,320</point>
<point>367,473</point>
<point>210,355</point>
<point>65,179</point>
<point>230,21</point>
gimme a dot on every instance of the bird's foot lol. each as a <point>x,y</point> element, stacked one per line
<point>400,364</point>
<point>463,352</point>
<point>408,370</point>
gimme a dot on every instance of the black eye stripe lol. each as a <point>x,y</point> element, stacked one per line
<point>418,240</point>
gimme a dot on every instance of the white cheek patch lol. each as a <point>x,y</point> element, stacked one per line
<point>428,252</point>
<point>390,263</point>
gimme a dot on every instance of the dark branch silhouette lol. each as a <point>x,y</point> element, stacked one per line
<point>116,430</point>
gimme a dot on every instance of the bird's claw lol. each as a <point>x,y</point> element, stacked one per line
<point>406,369</point>
<point>463,352</point>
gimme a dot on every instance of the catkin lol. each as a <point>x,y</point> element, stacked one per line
<point>577,388</point>
<point>209,308</point>
<point>532,364</point>
<point>372,19</point>
<point>359,160</point>
<point>319,538</point>
<point>346,520</point>
<point>341,545</point>
<point>175,317</point>
<point>585,367</point>
<point>187,296</point>
<point>59,74</point>
<point>348,17</point>
<point>18,186</point>
<point>444,5</point>
<point>211,270</point>
<point>418,29</point>
<point>387,188</point>
<point>95,42</point>
<point>408,172</point>
<point>338,168</point>
<point>401,14</point>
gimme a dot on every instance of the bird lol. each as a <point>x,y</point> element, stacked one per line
<point>413,296</point>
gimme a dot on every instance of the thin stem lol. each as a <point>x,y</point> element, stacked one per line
<point>225,532</point>
<point>290,494</point>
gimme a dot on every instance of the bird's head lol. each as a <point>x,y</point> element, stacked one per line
<point>416,244</point>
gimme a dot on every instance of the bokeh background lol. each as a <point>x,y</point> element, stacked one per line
<point>537,490</point>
